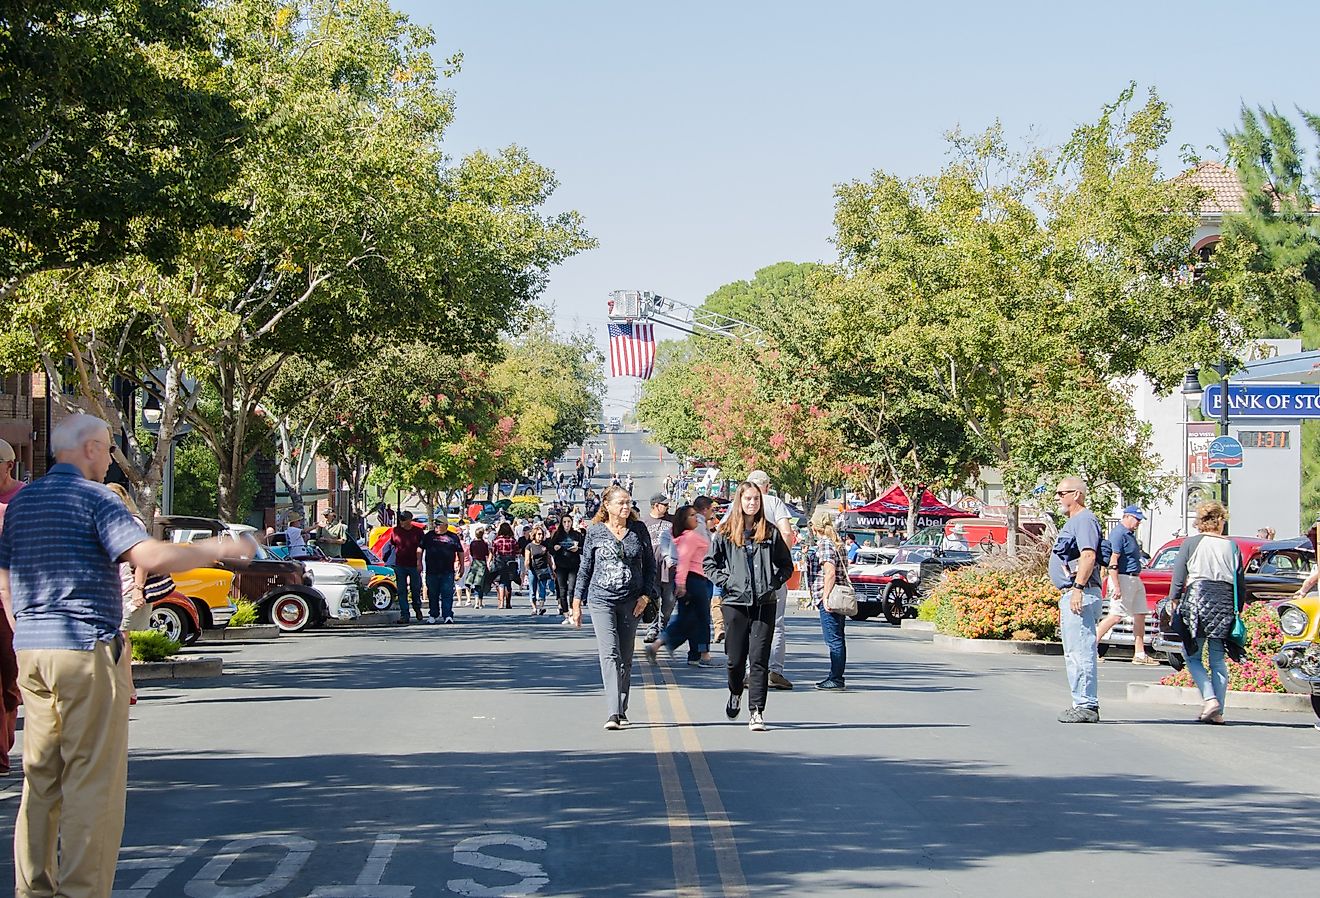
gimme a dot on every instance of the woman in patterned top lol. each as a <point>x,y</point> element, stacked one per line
<point>825,564</point>
<point>617,580</point>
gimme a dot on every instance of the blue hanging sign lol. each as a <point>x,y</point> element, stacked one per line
<point>1264,401</point>
<point>1224,452</point>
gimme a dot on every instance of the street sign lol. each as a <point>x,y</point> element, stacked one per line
<point>1225,452</point>
<point>1264,401</point>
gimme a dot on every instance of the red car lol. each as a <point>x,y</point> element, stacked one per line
<point>1158,574</point>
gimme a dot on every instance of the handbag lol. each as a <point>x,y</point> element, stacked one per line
<point>1239,631</point>
<point>842,598</point>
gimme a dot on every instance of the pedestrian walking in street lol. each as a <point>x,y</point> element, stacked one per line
<point>540,576</point>
<point>617,580</point>
<point>580,473</point>
<point>442,560</point>
<point>776,512</point>
<point>63,538</point>
<point>1206,590</point>
<point>1127,594</point>
<point>566,558</point>
<point>691,620</point>
<point>1074,564</point>
<point>591,465</point>
<point>750,562</point>
<point>9,484</point>
<point>702,505</point>
<point>590,504</point>
<point>661,530</point>
<point>478,574</point>
<point>826,567</point>
<point>504,567</point>
<point>406,541</point>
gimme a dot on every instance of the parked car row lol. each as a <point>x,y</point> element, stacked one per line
<point>291,592</point>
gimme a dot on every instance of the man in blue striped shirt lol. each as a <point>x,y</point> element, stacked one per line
<point>63,539</point>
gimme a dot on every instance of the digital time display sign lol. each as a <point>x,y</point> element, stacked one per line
<point>1263,439</point>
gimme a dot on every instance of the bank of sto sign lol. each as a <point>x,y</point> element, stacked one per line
<point>1263,401</point>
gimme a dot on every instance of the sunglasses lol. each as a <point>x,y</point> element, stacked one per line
<point>1059,494</point>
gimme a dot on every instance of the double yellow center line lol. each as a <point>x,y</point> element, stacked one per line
<point>686,876</point>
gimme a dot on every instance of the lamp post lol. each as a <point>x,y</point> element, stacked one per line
<point>1191,394</point>
<point>1221,367</point>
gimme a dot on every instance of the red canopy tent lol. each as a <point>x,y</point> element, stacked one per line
<point>896,501</point>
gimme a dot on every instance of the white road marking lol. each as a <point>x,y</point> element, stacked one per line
<point>205,884</point>
<point>368,881</point>
<point>157,867</point>
<point>468,853</point>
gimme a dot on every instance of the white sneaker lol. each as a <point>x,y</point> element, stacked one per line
<point>429,619</point>
<point>449,620</point>
<point>757,723</point>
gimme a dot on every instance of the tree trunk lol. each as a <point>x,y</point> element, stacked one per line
<point>1013,517</point>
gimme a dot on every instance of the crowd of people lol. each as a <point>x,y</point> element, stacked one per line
<point>77,568</point>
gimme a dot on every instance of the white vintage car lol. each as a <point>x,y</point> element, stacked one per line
<point>338,583</point>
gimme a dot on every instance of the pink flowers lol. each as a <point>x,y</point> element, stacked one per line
<point>1257,672</point>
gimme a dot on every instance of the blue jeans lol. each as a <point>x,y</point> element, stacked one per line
<point>1215,683</point>
<point>691,622</point>
<point>1079,647</point>
<point>408,580</point>
<point>539,584</point>
<point>831,626</point>
<point>440,593</point>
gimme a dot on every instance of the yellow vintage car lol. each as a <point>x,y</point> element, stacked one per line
<point>211,590</point>
<point>1299,658</point>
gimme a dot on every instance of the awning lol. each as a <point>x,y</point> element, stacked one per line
<point>1297,368</point>
<point>895,501</point>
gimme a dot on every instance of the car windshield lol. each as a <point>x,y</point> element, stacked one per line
<point>912,554</point>
<point>929,536</point>
<point>1164,560</point>
<point>1285,562</point>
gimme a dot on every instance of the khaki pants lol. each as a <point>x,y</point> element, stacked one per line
<point>716,615</point>
<point>75,763</point>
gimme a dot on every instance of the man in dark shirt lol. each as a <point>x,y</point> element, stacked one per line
<point>406,539</point>
<point>442,555</point>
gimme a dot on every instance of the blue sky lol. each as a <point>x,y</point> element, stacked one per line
<point>703,140</point>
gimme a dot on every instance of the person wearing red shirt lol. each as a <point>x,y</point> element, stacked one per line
<point>406,538</point>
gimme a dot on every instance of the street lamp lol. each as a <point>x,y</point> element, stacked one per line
<point>1191,394</point>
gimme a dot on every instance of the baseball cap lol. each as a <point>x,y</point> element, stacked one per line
<point>6,451</point>
<point>760,478</point>
<point>1135,511</point>
<point>659,499</point>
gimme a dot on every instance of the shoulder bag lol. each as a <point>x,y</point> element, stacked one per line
<point>1239,632</point>
<point>842,598</point>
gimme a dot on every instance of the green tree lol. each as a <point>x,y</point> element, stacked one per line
<point>1278,233</point>
<point>1005,265</point>
<point>119,135</point>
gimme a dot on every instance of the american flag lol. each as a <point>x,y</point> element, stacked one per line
<point>632,350</point>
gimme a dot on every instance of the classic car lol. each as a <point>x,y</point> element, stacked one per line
<point>278,588</point>
<point>893,587</point>
<point>338,582</point>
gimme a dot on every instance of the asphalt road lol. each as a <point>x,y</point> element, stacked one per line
<point>470,760</point>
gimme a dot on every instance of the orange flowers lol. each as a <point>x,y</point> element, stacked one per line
<point>977,603</point>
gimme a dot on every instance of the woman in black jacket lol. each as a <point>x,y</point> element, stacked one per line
<point>748,560</point>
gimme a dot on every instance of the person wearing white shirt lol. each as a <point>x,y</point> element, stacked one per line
<point>956,540</point>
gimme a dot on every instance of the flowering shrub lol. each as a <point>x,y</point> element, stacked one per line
<point>993,603</point>
<point>1257,672</point>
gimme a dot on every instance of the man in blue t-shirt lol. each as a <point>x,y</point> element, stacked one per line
<point>1127,594</point>
<point>1075,570</point>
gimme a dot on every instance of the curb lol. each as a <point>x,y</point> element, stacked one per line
<point>241,634</point>
<point>1155,694</point>
<point>920,626</point>
<point>177,669</point>
<point>367,619</point>
<point>997,646</point>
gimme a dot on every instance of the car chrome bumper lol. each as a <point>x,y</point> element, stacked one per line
<point>341,599</point>
<point>1293,665</point>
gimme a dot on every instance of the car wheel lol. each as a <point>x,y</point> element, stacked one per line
<point>894,605</point>
<point>290,612</point>
<point>383,597</point>
<point>170,622</point>
<point>1315,704</point>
